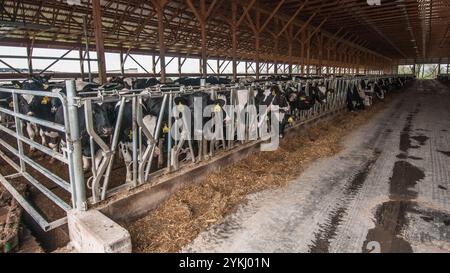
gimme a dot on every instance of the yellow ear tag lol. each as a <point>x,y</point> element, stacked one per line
<point>273,93</point>
<point>302,98</point>
<point>166,129</point>
<point>290,120</point>
<point>217,108</point>
<point>17,86</point>
<point>45,100</point>
<point>180,107</point>
<point>130,134</point>
<point>11,104</point>
<point>45,86</point>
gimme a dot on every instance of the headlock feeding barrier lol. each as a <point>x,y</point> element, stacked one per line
<point>149,132</point>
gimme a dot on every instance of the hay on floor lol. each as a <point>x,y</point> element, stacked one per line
<point>193,209</point>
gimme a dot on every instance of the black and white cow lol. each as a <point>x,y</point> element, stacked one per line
<point>102,126</point>
<point>150,119</point>
<point>272,97</point>
<point>354,100</point>
<point>36,106</point>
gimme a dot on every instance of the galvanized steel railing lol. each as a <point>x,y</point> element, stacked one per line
<point>142,157</point>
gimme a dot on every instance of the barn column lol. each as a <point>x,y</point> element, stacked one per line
<point>122,62</point>
<point>99,42</point>
<point>302,53</point>
<point>290,38</point>
<point>202,17</point>
<point>439,67</point>
<point>234,27</point>
<point>30,58</point>
<point>159,6</point>
<point>257,40</point>
<point>80,51</point>
<point>179,67</point>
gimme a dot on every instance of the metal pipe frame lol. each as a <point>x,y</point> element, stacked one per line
<point>142,159</point>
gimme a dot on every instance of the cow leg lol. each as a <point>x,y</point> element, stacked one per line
<point>54,146</point>
<point>31,134</point>
<point>98,158</point>
<point>43,139</point>
<point>127,159</point>
<point>86,163</point>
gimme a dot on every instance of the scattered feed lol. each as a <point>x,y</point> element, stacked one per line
<point>10,217</point>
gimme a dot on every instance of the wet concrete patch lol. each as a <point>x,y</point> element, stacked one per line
<point>404,177</point>
<point>405,137</point>
<point>390,220</point>
<point>391,217</point>
<point>421,139</point>
<point>447,153</point>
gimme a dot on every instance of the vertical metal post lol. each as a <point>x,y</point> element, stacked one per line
<point>169,137</point>
<point>135,141</point>
<point>74,149</point>
<point>19,132</point>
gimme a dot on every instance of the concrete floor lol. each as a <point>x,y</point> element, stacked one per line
<point>387,191</point>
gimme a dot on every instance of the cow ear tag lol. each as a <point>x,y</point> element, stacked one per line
<point>11,104</point>
<point>130,134</point>
<point>45,86</point>
<point>217,108</point>
<point>166,129</point>
<point>290,120</point>
<point>17,86</point>
<point>45,100</point>
<point>273,93</point>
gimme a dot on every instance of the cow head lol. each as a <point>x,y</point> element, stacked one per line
<point>102,123</point>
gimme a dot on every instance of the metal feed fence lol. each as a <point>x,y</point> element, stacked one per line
<point>173,153</point>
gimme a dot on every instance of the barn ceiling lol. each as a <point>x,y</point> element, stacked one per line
<point>401,29</point>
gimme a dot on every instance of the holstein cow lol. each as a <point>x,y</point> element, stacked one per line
<point>150,119</point>
<point>36,106</point>
<point>354,100</point>
<point>272,98</point>
<point>101,123</point>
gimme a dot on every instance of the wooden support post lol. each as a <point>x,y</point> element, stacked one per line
<point>122,62</point>
<point>97,21</point>
<point>154,64</point>
<point>159,5</point>
<point>308,59</point>
<point>439,67</point>
<point>302,56</point>
<point>234,37</point>
<point>30,58</point>
<point>179,67</point>
<point>276,59</point>
<point>218,68</point>
<point>81,62</point>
